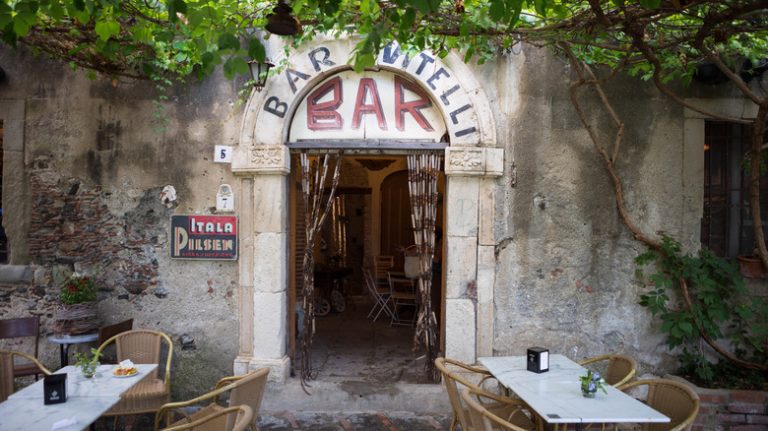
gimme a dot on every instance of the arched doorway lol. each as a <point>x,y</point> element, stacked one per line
<point>262,160</point>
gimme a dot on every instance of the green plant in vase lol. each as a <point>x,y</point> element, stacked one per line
<point>590,383</point>
<point>88,364</point>
<point>77,309</point>
<point>77,290</point>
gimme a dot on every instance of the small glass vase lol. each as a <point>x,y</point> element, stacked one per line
<point>587,393</point>
<point>89,369</point>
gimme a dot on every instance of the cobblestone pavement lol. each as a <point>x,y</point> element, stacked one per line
<point>398,421</point>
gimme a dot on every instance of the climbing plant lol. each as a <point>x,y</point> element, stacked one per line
<point>702,296</point>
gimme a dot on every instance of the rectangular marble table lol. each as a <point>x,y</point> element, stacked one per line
<point>87,400</point>
<point>556,394</point>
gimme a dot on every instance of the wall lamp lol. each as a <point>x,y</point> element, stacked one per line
<point>259,72</point>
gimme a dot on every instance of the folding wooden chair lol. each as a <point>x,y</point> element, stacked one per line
<point>380,297</point>
<point>22,327</point>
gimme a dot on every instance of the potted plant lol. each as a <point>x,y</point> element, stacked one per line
<point>76,313</point>
<point>88,364</point>
<point>751,266</point>
<point>590,383</point>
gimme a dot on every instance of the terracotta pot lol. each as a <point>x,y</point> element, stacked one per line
<point>751,267</point>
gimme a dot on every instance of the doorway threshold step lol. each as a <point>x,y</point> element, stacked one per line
<point>350,395</point>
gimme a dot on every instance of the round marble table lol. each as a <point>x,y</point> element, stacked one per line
<point>64,341</point>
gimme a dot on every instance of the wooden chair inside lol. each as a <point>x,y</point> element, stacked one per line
<point>401,298</point>
<point>7,369</point>
<point>240,416</point>
<point>381,267</point>
<point>247,390</point>
<point>109,356</point>
<point>379,295</point>
<point>23,327</point>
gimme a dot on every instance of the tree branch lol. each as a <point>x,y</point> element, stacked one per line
<point>636,33</point>
<point>606,159</point>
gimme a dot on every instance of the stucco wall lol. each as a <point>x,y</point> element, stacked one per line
<point>96,155</point>
<point>564,261</point>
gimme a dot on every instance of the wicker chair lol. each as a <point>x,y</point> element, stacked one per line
<point>674,399</point>
<point>621,368</point>
<point>143,346</point>
<point>240,416</point>
<point>481,417</point>
<point>6,371</point>
<point>243,390</point>
<point>512,410</point>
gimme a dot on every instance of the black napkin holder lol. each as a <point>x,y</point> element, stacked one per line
<point>55,389</point>
<point>538,359</point>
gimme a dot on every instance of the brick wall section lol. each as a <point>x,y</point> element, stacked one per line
<point>69,224</point>
<point>72,228</point>
<point>732,410</point>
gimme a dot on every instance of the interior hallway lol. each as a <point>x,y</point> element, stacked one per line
<point>349,346</point>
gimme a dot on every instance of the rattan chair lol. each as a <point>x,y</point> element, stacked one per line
<point>143,346</point>
<point>241,417</point>
<point>482,418</point>
<point>621,368</point>
<point>674,399</point>
<point>464,375</point>
<point>247,390</point>
<point>7,368</point>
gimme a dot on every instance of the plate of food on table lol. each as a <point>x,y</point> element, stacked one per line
<point>125,368</point>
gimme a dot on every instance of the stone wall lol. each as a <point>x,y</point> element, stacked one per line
<point>86,162</point>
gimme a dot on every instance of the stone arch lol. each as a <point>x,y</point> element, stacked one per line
<point>448,82</point>
<point>262,161</point>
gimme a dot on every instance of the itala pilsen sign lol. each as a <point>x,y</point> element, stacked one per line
<point>204,237</point>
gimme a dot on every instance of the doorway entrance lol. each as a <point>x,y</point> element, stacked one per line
<point>370,220</point>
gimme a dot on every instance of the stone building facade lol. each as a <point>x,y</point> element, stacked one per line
<point>534,251</point>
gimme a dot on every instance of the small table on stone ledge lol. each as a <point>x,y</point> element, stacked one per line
<point>64,341</point>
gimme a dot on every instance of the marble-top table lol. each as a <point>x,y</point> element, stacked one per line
<point>64,341</point>
<point>87,399</point>
<point>556,396</point>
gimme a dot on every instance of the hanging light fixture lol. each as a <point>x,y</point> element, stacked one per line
<point>281,21</point>
<point>259,72</point>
